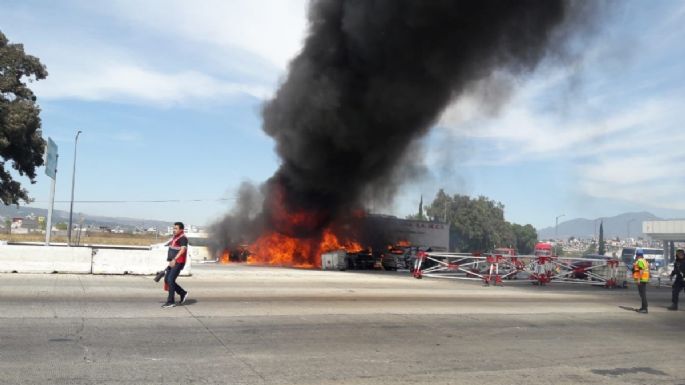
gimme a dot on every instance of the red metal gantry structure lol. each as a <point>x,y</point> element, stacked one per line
<point>536,269</point>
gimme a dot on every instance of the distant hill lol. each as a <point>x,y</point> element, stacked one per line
<point>616,226</point>
<point>88,220</point>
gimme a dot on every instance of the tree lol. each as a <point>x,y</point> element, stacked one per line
<point>419,216</point>
<point>526,238</point>
<point>601,249</point>
<point>475,224</point>
<point>21,139</point>
<point>61,226</point>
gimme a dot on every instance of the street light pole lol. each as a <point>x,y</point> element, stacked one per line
<point>73,181</point>
<point>594,235</point>
<point>556,225</point>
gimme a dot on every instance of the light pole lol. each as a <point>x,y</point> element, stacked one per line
<point>556,225</point>
<point>73,181</point>
<point>595,233</point>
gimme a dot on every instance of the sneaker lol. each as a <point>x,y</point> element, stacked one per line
<point>183,298</point>
<point>169,305</point>
<point>673,307</point>
<point>644,311</point>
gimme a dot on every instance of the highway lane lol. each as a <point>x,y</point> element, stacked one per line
<point>253,325</point>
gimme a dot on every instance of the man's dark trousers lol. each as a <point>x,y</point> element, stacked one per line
<point>678,285</point>
<point>171,281</point>
<point>641,288</point>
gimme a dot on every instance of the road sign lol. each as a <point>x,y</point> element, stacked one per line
<point>51,159</point>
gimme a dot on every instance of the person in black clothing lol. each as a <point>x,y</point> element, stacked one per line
<point>678,272</point>
<point>178,252</point>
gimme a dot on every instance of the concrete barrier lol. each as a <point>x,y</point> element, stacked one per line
<point>83,260</point>
<point>114,261</point>
<point>45,259</point>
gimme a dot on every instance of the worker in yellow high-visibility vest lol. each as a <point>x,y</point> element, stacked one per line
<point>641,277</point>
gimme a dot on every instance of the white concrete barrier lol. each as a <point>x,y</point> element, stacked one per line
<point>45,259</point>
<point>114,261</point>
<point>83,260</point>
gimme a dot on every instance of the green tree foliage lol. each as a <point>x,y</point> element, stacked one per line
<point>61,226</point>
<point>21,140</point>
<point>526,238</point>
<point>420,216</point>
<point>601,249</point>
<point>478,224</point>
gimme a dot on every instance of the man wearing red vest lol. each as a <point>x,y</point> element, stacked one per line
<point>178,251</point>
<point>641,277</point>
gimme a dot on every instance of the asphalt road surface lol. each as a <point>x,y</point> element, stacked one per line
<point>253,325</point>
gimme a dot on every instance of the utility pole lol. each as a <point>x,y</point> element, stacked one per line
<point>556,225</point>
<point>73,181</point>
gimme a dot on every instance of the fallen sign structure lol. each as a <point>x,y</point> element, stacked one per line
<point>496,269</point>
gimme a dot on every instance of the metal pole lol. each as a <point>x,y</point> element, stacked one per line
<point>48,225</point>
<point>73,181</point>
<point>556,224</point>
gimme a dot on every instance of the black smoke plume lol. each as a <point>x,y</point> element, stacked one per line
<point>372,78</point>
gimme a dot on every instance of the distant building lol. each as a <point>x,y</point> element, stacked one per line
<point>16,222</point>
<point>26,225</point>
<point>188,229</point>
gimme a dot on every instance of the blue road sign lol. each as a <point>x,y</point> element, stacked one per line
<point>51,159</point>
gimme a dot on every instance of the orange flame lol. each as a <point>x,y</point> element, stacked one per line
<point>224,257</point>
<point>281,250</point>
<point>331,242</point>
<point>296,240</point>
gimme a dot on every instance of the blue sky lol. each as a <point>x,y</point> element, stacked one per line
<point>168,93</point>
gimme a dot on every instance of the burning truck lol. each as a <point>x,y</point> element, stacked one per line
<point>385,242</point>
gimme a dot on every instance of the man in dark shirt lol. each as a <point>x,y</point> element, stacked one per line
<point>678,272</point>
<point>178,252</point>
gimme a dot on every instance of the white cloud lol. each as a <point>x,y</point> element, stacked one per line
<point>205,52</point>
<point>134,84</point>
<point>526,134</point>
<point>622,146</point>
<point>271,29</point>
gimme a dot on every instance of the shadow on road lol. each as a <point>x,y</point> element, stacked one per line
<point>628,308</point>
<point>189,302</point>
